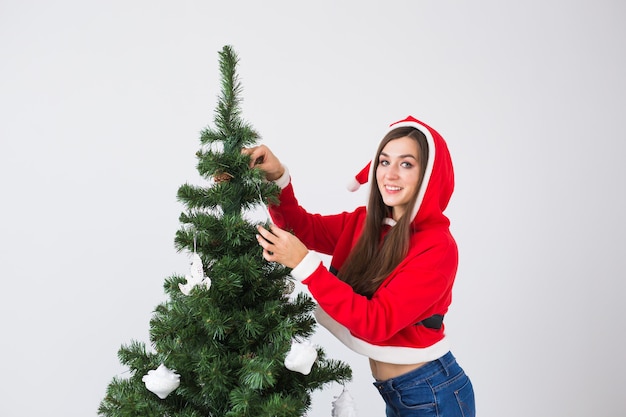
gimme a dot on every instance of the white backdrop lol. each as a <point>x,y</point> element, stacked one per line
<point>101,104</point>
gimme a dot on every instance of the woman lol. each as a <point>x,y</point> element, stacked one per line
<point>393,265</point>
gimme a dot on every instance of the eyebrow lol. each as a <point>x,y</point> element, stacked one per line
<point>408,155</point>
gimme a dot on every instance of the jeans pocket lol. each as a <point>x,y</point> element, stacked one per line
<point>465,399</point>
<point>417,397</point>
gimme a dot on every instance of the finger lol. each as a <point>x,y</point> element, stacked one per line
<point>266,234</point>
<point>264,243</point>
<point>255,153</point>
<point>266,246</point>
<point>266,240</point>
<point>276,231</point>
<point>268,256</point>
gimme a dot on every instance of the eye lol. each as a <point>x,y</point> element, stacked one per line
<point>406,164</point>
<point>383,162</point>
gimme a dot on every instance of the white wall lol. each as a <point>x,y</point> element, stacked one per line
<point>101,104</point>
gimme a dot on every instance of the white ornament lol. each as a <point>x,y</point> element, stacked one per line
<point>344,405</point>
<point>196,276</point>
<point>161,381</point>
<point>301,357</point>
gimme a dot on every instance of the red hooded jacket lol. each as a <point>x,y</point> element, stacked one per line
<point>384,327</point>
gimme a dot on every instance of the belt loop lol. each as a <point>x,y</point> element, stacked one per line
<point>444,365</point>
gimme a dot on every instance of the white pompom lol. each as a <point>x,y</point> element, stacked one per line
<point>161,381</point>
<point>196,276</point>
<point>301,357</point>
<point>344,405</point>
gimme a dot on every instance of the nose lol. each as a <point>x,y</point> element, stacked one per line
<point>392,171</point>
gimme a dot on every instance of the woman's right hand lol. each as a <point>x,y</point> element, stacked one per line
<point>262,157</point>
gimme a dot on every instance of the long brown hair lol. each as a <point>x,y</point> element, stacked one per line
<point>371,260</point>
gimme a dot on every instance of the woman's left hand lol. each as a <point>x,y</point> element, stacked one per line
<point>281,246</point>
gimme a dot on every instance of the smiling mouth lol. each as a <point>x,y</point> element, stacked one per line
<point>392,188</point>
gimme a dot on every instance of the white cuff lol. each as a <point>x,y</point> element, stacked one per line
<point>307,266</point>
<point>283,181</point>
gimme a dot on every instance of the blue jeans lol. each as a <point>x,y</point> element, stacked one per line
<point>437,389</point>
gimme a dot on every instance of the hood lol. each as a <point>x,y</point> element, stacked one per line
<point>438,184</point>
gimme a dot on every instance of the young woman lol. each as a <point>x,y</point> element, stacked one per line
<point>393,265</point>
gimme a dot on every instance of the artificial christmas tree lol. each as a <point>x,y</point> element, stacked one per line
<point>231,339</point>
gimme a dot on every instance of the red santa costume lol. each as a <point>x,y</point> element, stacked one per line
<point>389,326</point>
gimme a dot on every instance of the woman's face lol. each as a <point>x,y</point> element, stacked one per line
<point>398,173</point>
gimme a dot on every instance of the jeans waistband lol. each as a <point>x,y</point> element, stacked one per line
<point>423,372</point>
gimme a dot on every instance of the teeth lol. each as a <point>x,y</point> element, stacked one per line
<point>393,188</point>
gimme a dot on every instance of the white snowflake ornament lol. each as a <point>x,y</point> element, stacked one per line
<point>195,277</point>
<point>344,405</point>
<point>301,357</point>
<point>161,381</point>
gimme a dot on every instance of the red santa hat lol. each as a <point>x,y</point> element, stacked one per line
<point>360,178</point>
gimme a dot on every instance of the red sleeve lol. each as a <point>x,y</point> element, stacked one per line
<point>317,232</point>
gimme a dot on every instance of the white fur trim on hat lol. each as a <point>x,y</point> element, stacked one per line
<point>360,178</point>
